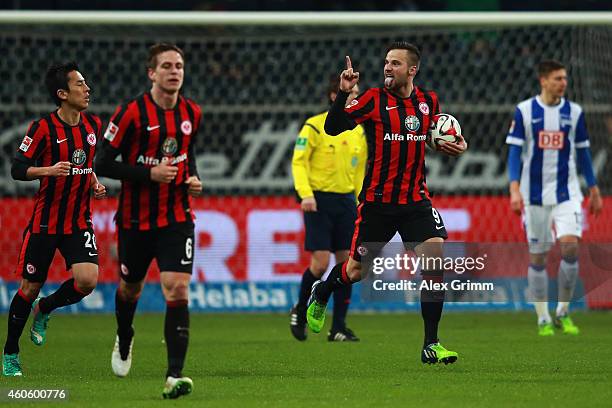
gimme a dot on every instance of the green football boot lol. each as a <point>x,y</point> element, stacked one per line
<point>40,321</point>
<point>175,387</point>
<point>315,314</point>
<point>11,367</point>
<point>566,325</point>
<point>436,353</point>
<point>546,329</point>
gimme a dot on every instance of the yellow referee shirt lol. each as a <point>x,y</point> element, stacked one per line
<point>334,164</point>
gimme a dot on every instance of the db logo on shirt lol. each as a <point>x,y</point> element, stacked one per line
<point>550,139</point>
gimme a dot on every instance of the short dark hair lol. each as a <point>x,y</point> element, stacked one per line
<point>412,49</point>
<point>545,67</point>
<point>333,85</point>
<point>57,78</point>
<point>157,49</point>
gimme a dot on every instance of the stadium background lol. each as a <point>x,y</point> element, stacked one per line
<point>256,85</point>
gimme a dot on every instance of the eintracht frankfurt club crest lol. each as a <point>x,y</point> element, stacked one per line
<point>424,108</point>
<point>186,127</point>
<point>91,139</point>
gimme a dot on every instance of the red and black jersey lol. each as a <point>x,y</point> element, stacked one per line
<point>396,130</point>
<point>144,134</point>
<point>62,203</point>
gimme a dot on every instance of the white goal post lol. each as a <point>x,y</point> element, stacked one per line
<point>490,19</point>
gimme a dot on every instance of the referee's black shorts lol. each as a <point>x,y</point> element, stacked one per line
<point>330,228</point>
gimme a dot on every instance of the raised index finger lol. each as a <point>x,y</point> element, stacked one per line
<point>348,62</point>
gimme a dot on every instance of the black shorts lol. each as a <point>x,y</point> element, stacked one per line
<point>330,228</point>
<point>378,223</point>
<point>171,246</point>
<point>38,250</point>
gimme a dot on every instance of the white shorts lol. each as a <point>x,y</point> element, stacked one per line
<point>539,220</point>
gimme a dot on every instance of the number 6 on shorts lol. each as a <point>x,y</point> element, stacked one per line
<point>188,248</point>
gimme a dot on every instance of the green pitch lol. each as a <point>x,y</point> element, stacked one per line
<point>252,360</point>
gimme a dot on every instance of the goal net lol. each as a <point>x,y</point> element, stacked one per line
<point>258,83</point>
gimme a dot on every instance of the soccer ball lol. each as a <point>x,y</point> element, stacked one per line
<point>444,128</point>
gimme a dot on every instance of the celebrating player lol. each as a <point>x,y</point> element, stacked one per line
<point>328,173</point>
<point>394,197</point>
<point>58,149</point>
<point>549,136</point>
<point>155,135</point>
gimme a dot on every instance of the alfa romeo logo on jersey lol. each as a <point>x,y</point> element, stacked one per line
<point>186,127</point>
<point>412,123</point>
<point>79,157</point>
<point>170,146</point>
<point>91,139</point>
<point>361,250</point>
<point>30,268</point>
<point>424,107</point>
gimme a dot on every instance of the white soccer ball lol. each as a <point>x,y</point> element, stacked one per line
<point>444,128</point>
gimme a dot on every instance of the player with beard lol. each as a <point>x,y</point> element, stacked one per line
<point>394,197</point>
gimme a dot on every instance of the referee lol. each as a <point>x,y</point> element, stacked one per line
<point>328,173</point>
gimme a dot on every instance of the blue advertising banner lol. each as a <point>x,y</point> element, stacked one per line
<point>508,294</point>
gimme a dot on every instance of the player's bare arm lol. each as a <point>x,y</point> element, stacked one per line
<point>516,199</point>
<point>595,201</point>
